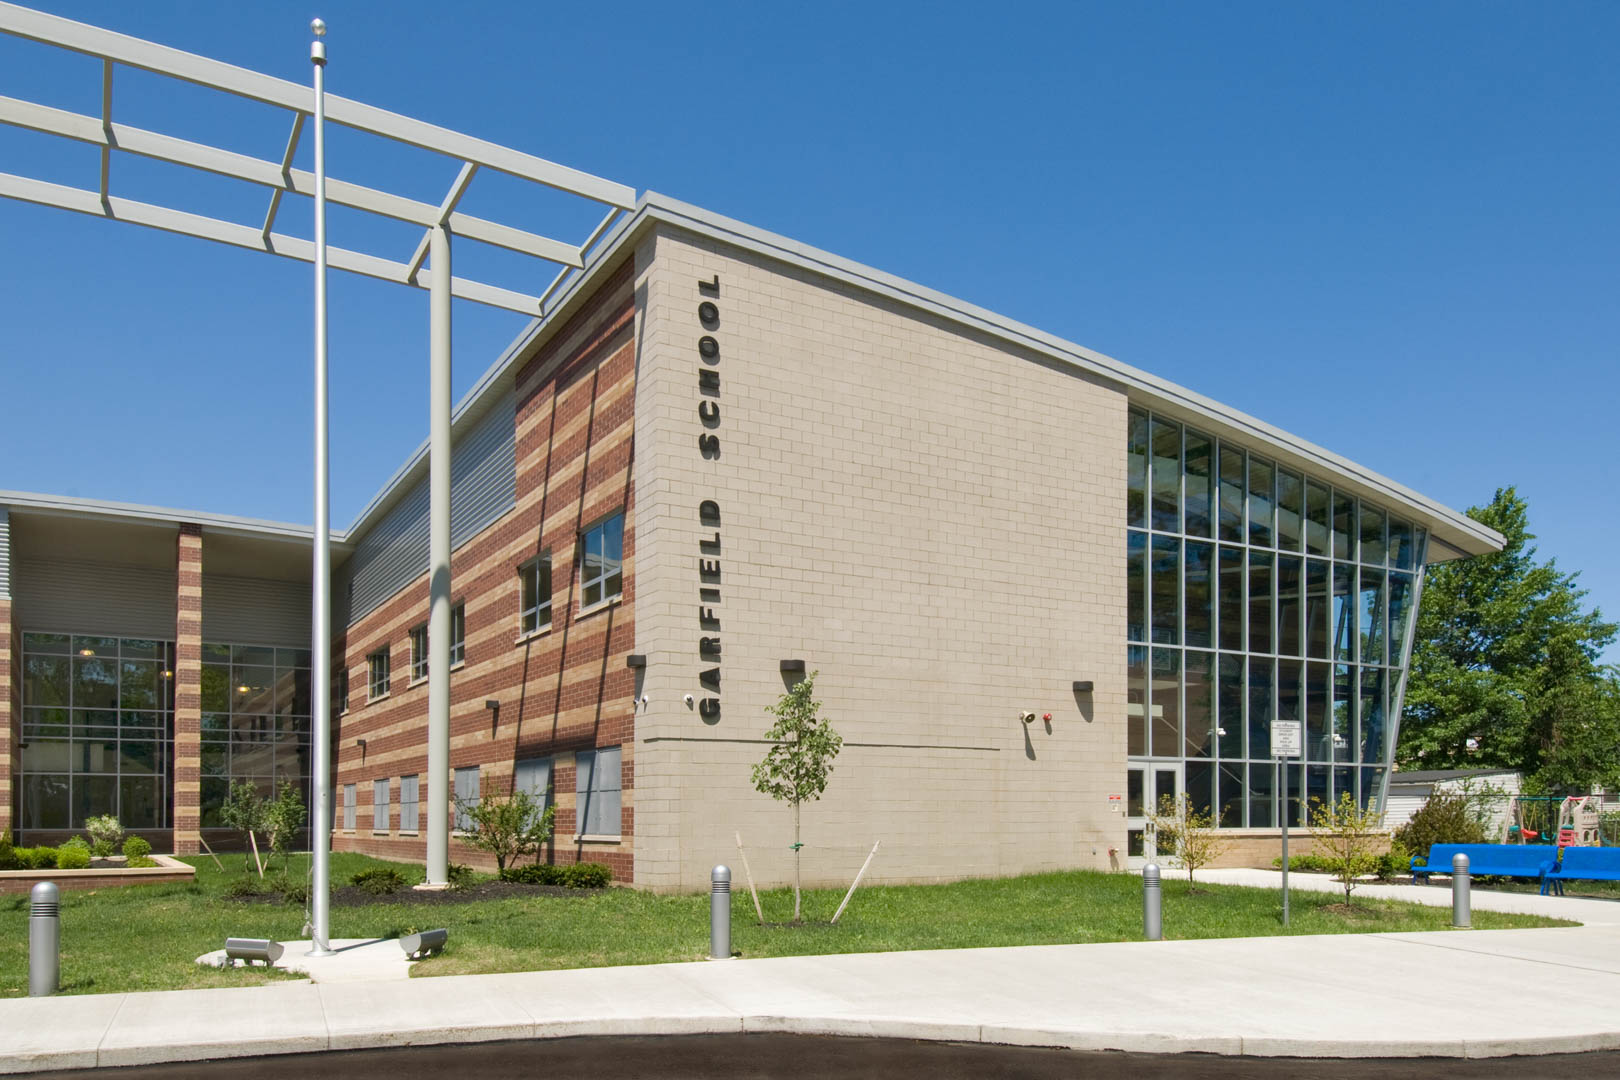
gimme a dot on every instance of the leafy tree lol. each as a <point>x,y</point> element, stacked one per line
<point>507,828</point>
<point>1505,667</point>
<point>799,761</point>
<point>1190,836</point>
<point>1348,839</point>
<point>244,811</point>
<point>282,819</point>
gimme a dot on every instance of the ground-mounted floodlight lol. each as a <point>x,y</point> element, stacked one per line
<point>427,268</point>
<point>248,950</point>
<point>425,943</point>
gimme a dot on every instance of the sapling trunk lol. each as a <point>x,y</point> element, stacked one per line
<point>797,847</point>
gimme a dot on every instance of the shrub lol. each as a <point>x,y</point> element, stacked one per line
<point>36,858</point>
<point>140,862</point>
<point>379,880</point>
<point>461,877</point>
<point>1444,819</point>
<point>73,856</point>
<point>1348,836</point>
<point>105,832</point>
<point>76,843</point>
<point>136,848</point>
<point>244,886</point>
<point>508,828</point>
<point>1393,863</point>
<point>588,875</point>
<point>538,874</point>
<point>8,854</point>
<point>1306,864</point>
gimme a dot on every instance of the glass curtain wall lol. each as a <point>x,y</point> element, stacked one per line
<point>1257,593</point>
<point>97,730</point>
<point>255,722</point>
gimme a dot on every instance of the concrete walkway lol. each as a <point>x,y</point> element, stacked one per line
<point>352,960</point>
<point>1458,994</point>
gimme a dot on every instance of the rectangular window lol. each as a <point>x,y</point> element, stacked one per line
<point>458,635</point>
<point>1318,605</point>
<point>1290,510</point>
<point>601,564</point>
<point>1136,586</point>
<point>534,589</point>
<point>1229,724</point>
<point>1231,495</point>
<point>1344,527</point>
<point>1260,589</point>
<point>1316,518</point>
<point>597,786</point>
<point>1200,470</point>
<point>534,776</point>
<point>1165,731</point>
<point>1200,707</point>
<point>466,796</point>
<point>1166,572</point>
<point>1288,607</point>
<point>350,796</point>
<point>1344,612</point>
<point>1231,598</point>
<point>1200,593</point>
<point>1318,744</point>
<point>1260,708</point>
<point>1260,503</point>
<point>377,669</point>
<point>379,806</point>
<point>1135,700</point>
<point>409,793</point>
<point>419,653</point>
<point>1136,471</point>
<point>1372,535</point>
<point>1166,476</point>
<point>340,690</point>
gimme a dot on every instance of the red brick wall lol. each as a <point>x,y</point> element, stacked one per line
<point>562,690</point>
<point>187,689</point>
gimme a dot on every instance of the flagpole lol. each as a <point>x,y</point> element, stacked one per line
<point>320,669</point>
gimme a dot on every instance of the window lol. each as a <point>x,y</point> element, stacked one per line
<point>419,653</point>
<point>534,582</point>
<point>340,690</point>
<point>409,819</point>
<point>377,666</point>
<point>534,776</point>
<point>601,564</point>
<point>349,796</point>
<point>379,806</point>
<point>466,796</point>
<point>458,635</point>
<point>597,788</point>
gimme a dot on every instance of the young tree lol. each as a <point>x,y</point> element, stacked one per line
<point>282,819</point>
<point>1190,836</point>
<point>1349,838</point>
<point>244,811</point>
<point>1505,667</point>
<point>508,828</point>
<point>799,761</point>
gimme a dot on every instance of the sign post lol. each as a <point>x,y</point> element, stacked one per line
<point>1286,744</point>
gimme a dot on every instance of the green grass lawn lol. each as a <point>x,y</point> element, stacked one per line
<point>147,937</point>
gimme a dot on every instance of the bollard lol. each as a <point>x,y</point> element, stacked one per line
<point>44,940</point>
<point>1152,920</point>
<point>1460,878</point>
<point>720,913</point>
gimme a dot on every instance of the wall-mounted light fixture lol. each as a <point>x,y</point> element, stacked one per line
<point>792,667</point>
<point>492,705</point>
<point>361,743</point>
<point>635,660</point>
<point>1083,686</point>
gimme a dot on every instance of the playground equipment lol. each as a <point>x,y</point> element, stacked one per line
<point>1567,821</point>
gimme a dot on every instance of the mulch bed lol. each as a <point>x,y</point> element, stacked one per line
<point>352,896</point>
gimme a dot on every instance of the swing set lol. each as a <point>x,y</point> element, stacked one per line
<point>1555,820</point>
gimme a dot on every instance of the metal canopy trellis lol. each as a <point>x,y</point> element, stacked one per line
<point>279,176</point>
<point>429,268</point>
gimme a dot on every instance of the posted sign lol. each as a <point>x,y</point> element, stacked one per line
<point>1287,739</point>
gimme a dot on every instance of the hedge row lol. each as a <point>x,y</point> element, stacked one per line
<point>587,875</point>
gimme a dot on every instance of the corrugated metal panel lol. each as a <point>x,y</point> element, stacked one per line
<point>94,598</point>
<point>5,552</point>
<point>253,611</point>
<point>483,486</point>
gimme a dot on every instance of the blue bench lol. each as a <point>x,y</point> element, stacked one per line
<point>1583,864</point>
<point>1501,860</point>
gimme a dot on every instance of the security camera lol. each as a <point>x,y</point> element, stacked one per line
<point>1027,717</point>
<point>688,699</point>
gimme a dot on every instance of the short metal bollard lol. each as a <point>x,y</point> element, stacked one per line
<point>424,943</point>
<point>44,940</point>
<point>1461,912</point>
<point>720,913</point>
<point>1152,913</point>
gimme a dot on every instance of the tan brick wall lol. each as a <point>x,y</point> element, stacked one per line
<point>1262,847</point>
<point>932,519</point>
<point>187,689</point>
<point>561,691</point>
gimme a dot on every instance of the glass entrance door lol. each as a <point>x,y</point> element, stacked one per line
<point>1145,785</point>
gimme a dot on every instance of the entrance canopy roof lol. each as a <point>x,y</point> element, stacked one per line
<point>277,175</point>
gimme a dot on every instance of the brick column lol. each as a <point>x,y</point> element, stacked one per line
<point>187,689</point>
<point>10,713</point>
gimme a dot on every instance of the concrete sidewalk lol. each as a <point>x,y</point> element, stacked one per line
<point>1456,994</point>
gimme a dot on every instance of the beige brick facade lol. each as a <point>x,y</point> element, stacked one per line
<point>930,519</point>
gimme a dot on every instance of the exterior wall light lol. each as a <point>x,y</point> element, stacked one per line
<point>1083,686</point>
<point>492,705</point>
<point>792,667</point>
<point>635,660</point>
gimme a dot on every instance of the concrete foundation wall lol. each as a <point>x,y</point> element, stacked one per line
<point>930,519</point>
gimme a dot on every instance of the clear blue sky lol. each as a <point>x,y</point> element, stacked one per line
<point>1391,229</point>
